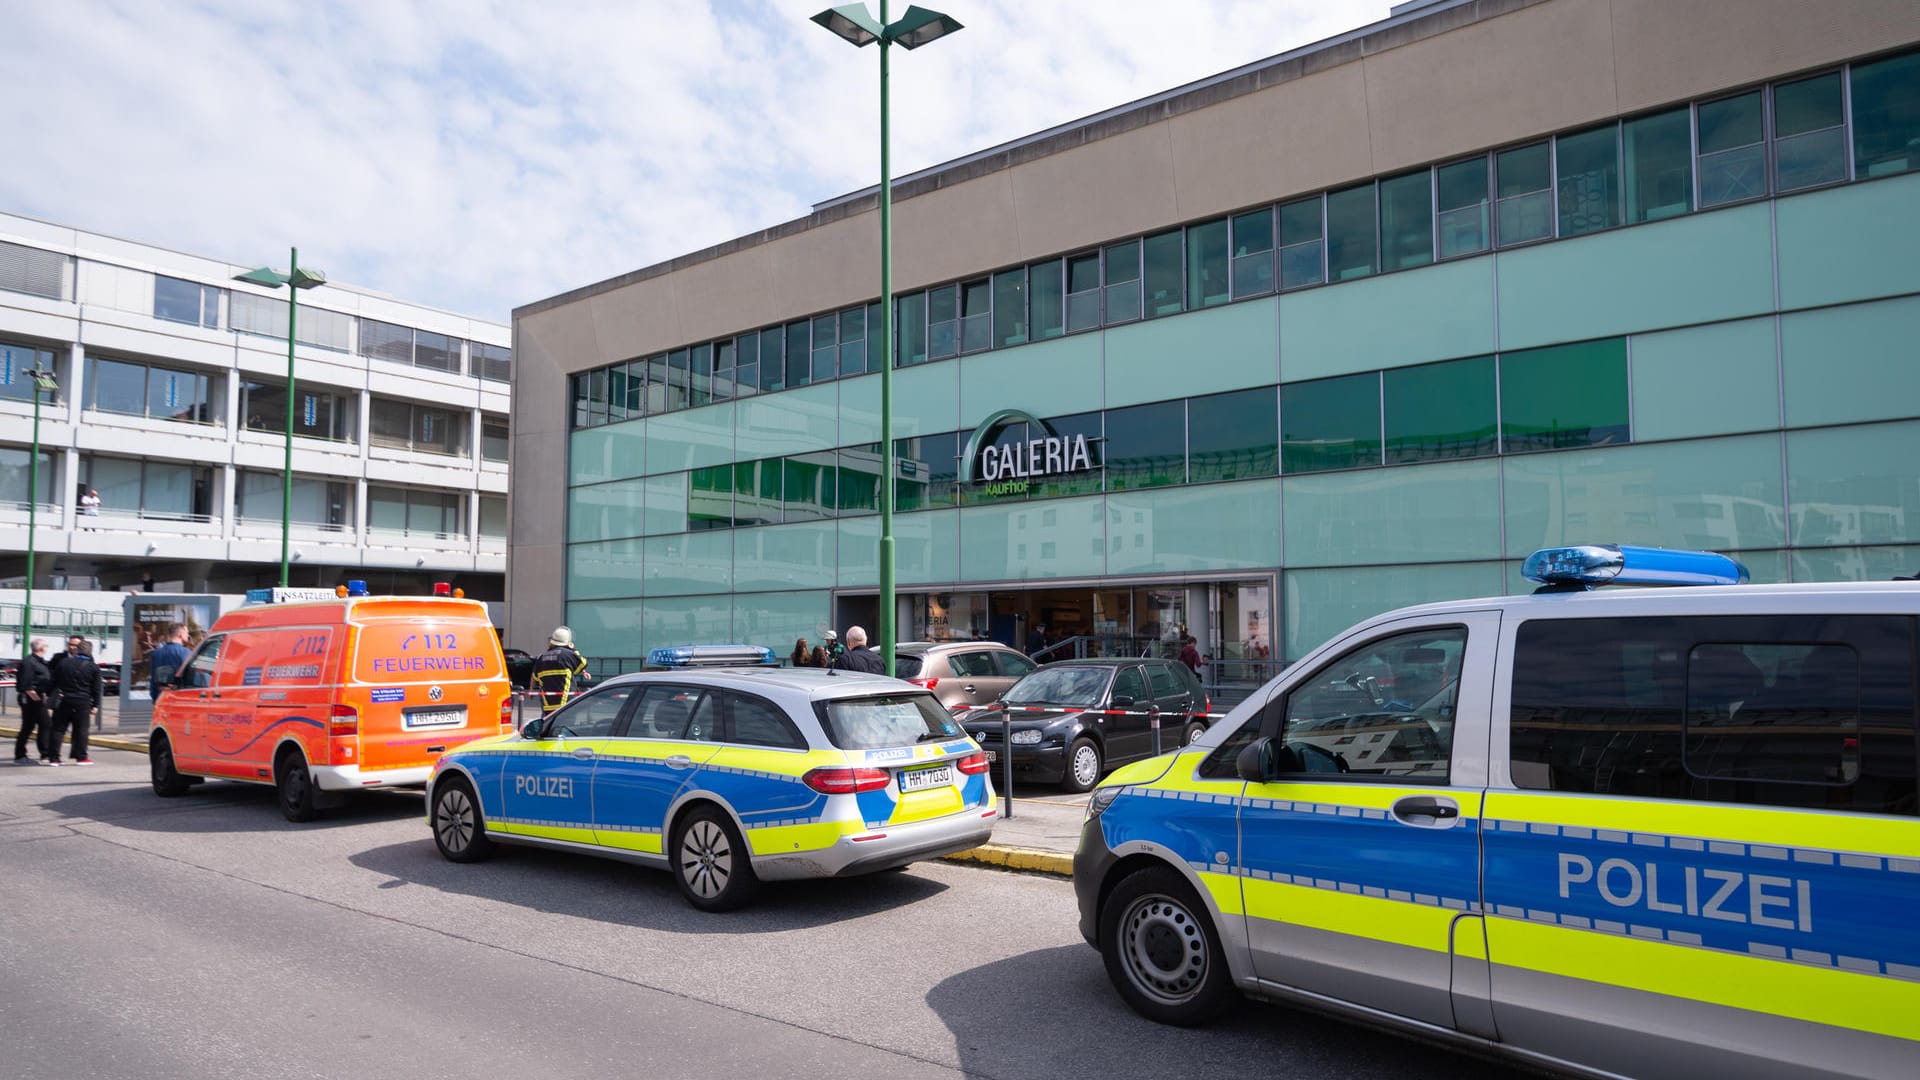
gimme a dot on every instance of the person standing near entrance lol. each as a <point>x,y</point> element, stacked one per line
<point>555,670</point>
<point>77,685</point>
<point>1190,655</point>
<point>32,685</point>
<point>166,661</point>
<point>1037,640</point>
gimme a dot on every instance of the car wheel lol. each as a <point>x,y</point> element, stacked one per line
<point>1083,765</point>
<point>1161,950</point>
<point>167,781</point>
<point>710,862</point>
<point>458,829</point>
<point>1194,731</point>
<point>295,785</point>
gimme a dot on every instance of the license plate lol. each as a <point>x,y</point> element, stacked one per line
<point>922,779</point>
<point>428,718</point>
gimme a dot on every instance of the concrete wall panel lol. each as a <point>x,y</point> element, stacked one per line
<point>1118,185</point>
<point>1295,137</point>
<point>957,230</point>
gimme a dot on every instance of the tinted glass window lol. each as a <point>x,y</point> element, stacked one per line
<point>971,664</point>
<point>1566,395</point>
<point>1733,155</point>
<point>1438,411</point>
<point>1300,254</point>
<point>1083,481</point>
<point>925,470</point>
<point>1810,711</point>
<point>1350,236</point>
<point>1810,146</point>
<point>1659,165</point>
<point>1146,446</point>
<point>1128,683</point>
<point>1207,264</point>
<point>1460,190</point>
<point>759,723</point>
<point>1523,180</point>
<point>1406,221</point>
<point>1382,709</point>
<point>1330,423</point>
<point>876,723</point>
<point>1589,165</point>
<point>1231,436</point>
<point>591,716</point>
<point>710,498</point>
<point>1886,116</point>
<point>1165,273</point>
<point>1164,682</point>
<point>1047,300</point>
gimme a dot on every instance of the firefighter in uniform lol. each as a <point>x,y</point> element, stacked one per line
<point>555,670</point>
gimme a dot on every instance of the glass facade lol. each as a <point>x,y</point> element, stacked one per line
<point>1599,352</point>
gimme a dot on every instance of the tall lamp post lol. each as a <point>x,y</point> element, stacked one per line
<point>43,382</point>
<point>298,279</point>
<point>914,29</point>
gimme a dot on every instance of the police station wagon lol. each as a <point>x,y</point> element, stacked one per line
<point>727,777</point>
<point>1632,832</point>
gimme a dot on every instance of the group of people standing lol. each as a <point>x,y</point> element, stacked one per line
<point>56,696</point>
<point>855,655</point>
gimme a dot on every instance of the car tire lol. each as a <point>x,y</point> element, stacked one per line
<point>295,785</point>
<point>1162,951</point>
<point>710,862</point>
<point>167,781</point>
<point>1084,762</point>
<point>459,830</point>
<point>1193,732</point>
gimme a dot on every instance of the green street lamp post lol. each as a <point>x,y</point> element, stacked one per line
<point>914,29</point>
<point>298,279</point>
<point>43,382</point>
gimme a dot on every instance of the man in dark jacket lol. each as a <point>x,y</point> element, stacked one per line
<point>555,670</point>
<point>31,686</point>
<point>858,657</point>
<point>76,680</point>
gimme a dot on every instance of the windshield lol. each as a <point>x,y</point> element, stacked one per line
<point>877,723</point>
<point>1083,687</point>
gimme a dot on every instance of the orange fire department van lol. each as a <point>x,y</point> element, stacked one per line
<point>322,693</point>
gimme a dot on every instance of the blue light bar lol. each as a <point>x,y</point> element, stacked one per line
<point>678,656</point>
<point>356,587</point>
<point>1616,564</point>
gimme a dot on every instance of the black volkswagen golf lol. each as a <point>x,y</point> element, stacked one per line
<point>1073,720</point>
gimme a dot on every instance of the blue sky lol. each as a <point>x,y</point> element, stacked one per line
<point>476,156</point>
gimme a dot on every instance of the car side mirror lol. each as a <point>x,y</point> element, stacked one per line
<point>1120,701</point>
<point>534,728</point>
<point>1257,763</point>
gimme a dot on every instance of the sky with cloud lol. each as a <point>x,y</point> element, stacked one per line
<point>476,156</point>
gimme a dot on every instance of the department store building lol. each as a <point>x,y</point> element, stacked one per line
<point>1354,327</point>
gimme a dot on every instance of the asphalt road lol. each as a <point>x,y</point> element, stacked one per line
<point>207,937</point>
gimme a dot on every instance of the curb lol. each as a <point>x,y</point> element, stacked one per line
<point>1004,856</point>
<point>1008,857</point>
<point>108,742</point>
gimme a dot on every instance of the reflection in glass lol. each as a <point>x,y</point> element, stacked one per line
<point>1146,446</point>
<point>1524,180</point>
<point>1350,233</point>
<point>1659,160</point>
<point>1440,411</point>
<point>1589,175</point>
<point>1461,191</point>
<point>1330,423</point>
<point>1733,155</point>
<point>1886,116</point>
<point>1406,221</point>
<point>1207,264</point>
<point>1564,396</point>
<point>1233,436</point>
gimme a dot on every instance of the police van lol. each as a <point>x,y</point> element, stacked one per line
<point>1618,832</point>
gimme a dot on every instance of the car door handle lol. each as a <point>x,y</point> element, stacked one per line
<point>679,761</point>
<point>1426,810</point>
<point>583,753</point>
<point>216,693</point>
<point>968,687</point>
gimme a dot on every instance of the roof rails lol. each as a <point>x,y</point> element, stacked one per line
<point>1581,567</point>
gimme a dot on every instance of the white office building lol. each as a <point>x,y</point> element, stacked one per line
<point>172,405</point>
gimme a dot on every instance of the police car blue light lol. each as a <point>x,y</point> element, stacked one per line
<point>686,656</point>
<point>1617,564</point>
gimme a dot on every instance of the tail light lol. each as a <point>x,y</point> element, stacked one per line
<point>506,711</point>
<point>845,781</point>
<point>926,683</point>
<point>343,722</point>
<point>1208,707</point>
<point>973,764</point>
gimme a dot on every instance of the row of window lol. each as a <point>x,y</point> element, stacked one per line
<point>159,392</point>
<point>184,491</point>
<point>43,273</point>
<point>1856,123</point>
<point>1474,407</point>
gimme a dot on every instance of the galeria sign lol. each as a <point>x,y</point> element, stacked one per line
<point>1007,469</point>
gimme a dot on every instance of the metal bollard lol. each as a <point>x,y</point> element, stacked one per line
<point>1153,721</point>
<point>1006,759</point>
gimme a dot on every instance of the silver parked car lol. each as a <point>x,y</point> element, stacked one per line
<point>965,675</point>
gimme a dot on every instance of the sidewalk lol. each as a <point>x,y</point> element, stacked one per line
<point>1039,837</point>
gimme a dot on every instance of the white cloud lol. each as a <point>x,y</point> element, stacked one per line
<point>477,156</point>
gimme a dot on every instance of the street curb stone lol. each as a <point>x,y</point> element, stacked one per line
<point>1004,856</point>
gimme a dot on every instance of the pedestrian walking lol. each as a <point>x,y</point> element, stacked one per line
<point>555,670</point>
<point>164,663</point>
<point>77,690</point>
<point>32,685</point>
<point>858,657</point>
<point>1190,655</point>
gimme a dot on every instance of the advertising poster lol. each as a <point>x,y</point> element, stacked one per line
<point>147,619</point>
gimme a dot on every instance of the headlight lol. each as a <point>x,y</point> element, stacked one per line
<point>1103,798</point>
<point>1027,736</point>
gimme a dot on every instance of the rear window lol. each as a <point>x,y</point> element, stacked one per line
<point>1061,685</point>
<point>423,650</point>
<point>877,723</point>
